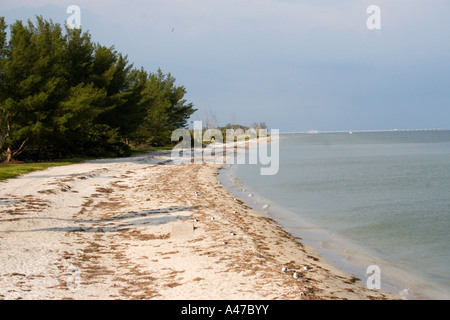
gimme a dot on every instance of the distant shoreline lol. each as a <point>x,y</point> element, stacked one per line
<point>356,131</point>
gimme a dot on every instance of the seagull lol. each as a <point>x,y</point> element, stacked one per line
<point>284,269</point>
<point>404,293</point>
<point>265,206</point>
<point>224,242</point>
<point>196,193</point>
<point>307,268</point>
<point>302,294</point>
<point>173,29</point>
<point>297,274</point>
<point>196,220</point>
<point>233,234</point>
<point>212,218</point>
<point>234,211</point>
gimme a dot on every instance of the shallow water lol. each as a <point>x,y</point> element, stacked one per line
<point>364,198</point>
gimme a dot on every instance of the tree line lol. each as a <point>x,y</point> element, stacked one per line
<point>62,95</point>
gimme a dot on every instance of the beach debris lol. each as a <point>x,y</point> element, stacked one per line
<point>243,190</point>
<point>297,275</point>
<point>284,269</point>
<point>66,188</point>
<point>197,194</point>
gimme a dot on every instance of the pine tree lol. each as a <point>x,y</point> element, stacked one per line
<point>62,95</point>
<point>3,111</point>
<point>165,108</point>
<point>34,84</point>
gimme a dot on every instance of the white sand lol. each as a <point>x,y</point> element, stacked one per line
<point>125,229</point>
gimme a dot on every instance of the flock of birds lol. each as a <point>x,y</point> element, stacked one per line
<point>295,274</point>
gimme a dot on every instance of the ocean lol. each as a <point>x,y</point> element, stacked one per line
<point>363,198</point>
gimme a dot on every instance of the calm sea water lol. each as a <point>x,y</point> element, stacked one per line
<point>364,198</point>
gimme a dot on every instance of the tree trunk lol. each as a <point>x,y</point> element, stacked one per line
<point>8,155</point>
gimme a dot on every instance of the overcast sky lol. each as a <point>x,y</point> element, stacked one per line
<point>297,65</point>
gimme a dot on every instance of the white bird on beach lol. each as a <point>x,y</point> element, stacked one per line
<point>404,293</point>
<point>266,206</point>
<point>212,218</point>
<point>197,194</point>
<point>233,234</point>
<point>196,220</point>
<point>284,269</point>
<point>307,268</point>
<point>234,211</point>
<point>302,294</point>
<point>297,274</point>
<point>224,242</point>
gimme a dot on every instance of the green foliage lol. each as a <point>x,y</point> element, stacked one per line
<point>169,110</point>
<point>61,94</point>
<point>100,140</point>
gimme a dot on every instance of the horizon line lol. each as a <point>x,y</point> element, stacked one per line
<point>368,130</point>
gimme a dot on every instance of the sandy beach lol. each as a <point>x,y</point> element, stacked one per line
<point>145,228</point>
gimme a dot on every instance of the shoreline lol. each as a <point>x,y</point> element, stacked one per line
<point>341,252</point>
<point>125,229</point>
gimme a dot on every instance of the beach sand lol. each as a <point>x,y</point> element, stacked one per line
<point>125,229</point>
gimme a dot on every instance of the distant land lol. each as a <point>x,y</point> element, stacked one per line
<point>356,131</point>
